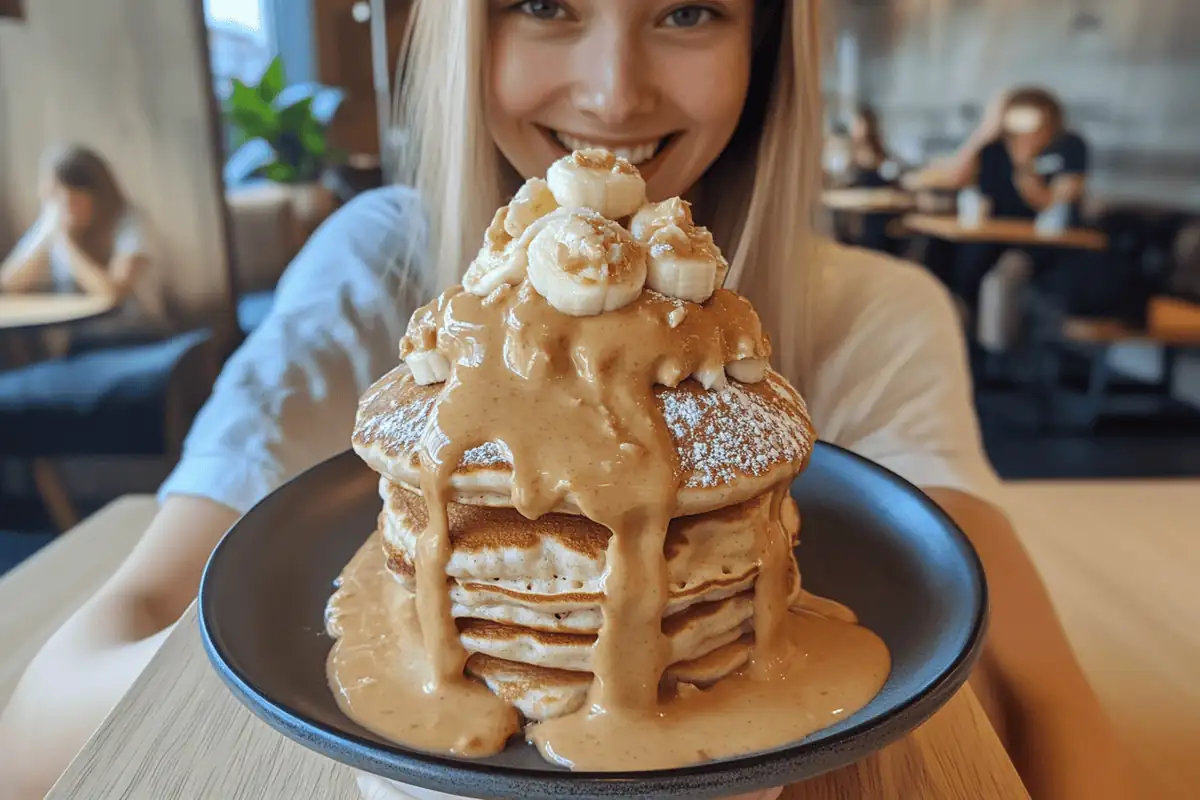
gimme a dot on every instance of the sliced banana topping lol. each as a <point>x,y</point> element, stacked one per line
<point>651,217</point>
<point>747,370</point>
<point>502,260</point>
<point>711,376</point>
<point>598,180</point>
<point>585,264</point>
<point>428,366</point>
<point>532,201</point>
<point>683,260</point>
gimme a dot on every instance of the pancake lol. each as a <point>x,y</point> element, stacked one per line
<point>691,634</point>
<point>540,693</point>
<point>548,574</point>
<point>732,444</point>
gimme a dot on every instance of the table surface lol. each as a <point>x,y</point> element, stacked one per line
<point>1120,559</point>
<point>22,311</point>
<point>867,200</point>
<point>1003,231</point>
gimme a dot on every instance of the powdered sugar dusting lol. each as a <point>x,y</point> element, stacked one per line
<point>394,414</point>
<point>488,454</point>
<point>735,431</point>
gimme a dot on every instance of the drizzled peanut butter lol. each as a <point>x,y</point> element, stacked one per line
<point>572,399</point>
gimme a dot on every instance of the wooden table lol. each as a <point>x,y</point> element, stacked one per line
<point>26,311</point>
<point>1120,559</point>
<point>1122,562</point>
<point>1003,231</point>
<point>868,201</point>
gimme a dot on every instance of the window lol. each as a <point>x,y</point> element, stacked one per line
<point>243,37</point>
<point>239,41</point>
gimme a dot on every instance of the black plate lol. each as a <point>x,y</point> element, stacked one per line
<point>870,540</point>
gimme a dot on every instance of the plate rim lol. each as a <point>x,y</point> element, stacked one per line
<point>448,773</point>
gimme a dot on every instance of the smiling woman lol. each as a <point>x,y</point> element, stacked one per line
<point>663,86</point>
<point>692,81</point>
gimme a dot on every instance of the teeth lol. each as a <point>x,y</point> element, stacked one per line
<point>637,154</point>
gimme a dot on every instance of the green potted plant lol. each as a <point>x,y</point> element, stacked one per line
<point>280,135</point>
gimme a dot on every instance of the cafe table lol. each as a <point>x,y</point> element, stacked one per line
<point>999,230</point>
<point>1119,557</point>
<point>29,311</point>
<point>864,200</point>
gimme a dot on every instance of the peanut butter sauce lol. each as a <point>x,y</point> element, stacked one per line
<point>572,398</point>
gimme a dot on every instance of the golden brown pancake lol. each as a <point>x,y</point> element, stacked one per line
<point>542,693</point>
<point>547,574</point>
<point>733,443</point>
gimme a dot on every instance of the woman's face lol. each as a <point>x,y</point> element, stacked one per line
<point>1027,130</point>
<point>659,82</point>
<point>859,128</point>
<point>75,206</point>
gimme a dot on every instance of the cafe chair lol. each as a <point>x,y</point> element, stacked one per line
<point>132,400</point>
<point>1136,274</point>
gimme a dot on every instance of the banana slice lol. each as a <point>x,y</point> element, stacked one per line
<point>711,376</point>
<point>683,260</point>
<point>747,370</point>
<point>532,201</point>
<point>502,259</point>
<point>584,264</point>
<point>598,180</point>
<point>649,218</point>
<point>499,261</point>
<point>428,367</point>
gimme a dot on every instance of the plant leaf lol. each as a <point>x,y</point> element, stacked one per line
<point>314,141</point>
<point>280,172</point>
<point>295,93</point>
<point>325,100</point>
<point>251,114</point>
<point>248,160</point>
<point>272,81</point>
<point>296,117</point>
<point>326,103</point>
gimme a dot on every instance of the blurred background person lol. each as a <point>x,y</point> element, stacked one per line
<point>865,163</point>
<point>1031,164</point>
<point>870,165</point>
<point>88,239</point>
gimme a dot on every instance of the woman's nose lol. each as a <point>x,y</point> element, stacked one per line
<point>612,84</point>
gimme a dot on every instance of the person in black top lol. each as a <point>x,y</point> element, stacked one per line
<point>1034,164</point>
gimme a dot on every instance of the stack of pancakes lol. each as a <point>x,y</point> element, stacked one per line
<point>527,595</point>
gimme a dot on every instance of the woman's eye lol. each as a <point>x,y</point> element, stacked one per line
<point>543,9</point>
<point>688,17</point>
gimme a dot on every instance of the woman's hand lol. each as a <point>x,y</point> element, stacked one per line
<point>374,788</point>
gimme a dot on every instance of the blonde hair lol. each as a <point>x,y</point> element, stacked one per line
<point>757,197</point>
